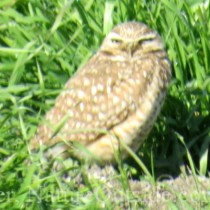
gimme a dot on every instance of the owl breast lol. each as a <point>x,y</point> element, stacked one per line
<point>142,91</point>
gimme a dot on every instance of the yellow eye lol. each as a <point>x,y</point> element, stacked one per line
<point>116,41</point>
<point>146,38</point>
<point>140,42</point>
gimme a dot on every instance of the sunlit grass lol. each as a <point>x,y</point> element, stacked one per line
<point>42,43</point>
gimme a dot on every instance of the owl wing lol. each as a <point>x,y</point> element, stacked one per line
<point>93,101</point>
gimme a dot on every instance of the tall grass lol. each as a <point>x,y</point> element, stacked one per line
<point>42,43</point>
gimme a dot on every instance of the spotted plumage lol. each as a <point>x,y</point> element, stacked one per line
<point>114,98</point>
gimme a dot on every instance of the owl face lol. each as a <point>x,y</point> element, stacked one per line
<point>131,40</point>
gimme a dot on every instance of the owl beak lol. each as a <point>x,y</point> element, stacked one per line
<point>131,46</point>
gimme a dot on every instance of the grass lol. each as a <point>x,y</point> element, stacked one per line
<point>42,43</point>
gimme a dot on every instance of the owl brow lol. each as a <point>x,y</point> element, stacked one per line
<point>146,37</point>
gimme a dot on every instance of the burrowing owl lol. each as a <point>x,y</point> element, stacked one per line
<point>114,98</point>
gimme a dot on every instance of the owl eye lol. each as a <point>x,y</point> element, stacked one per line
<point>141,41</point>
<point>116,41</point>
<point>147,38</point>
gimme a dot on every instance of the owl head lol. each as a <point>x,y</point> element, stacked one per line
<point>130,40</point>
